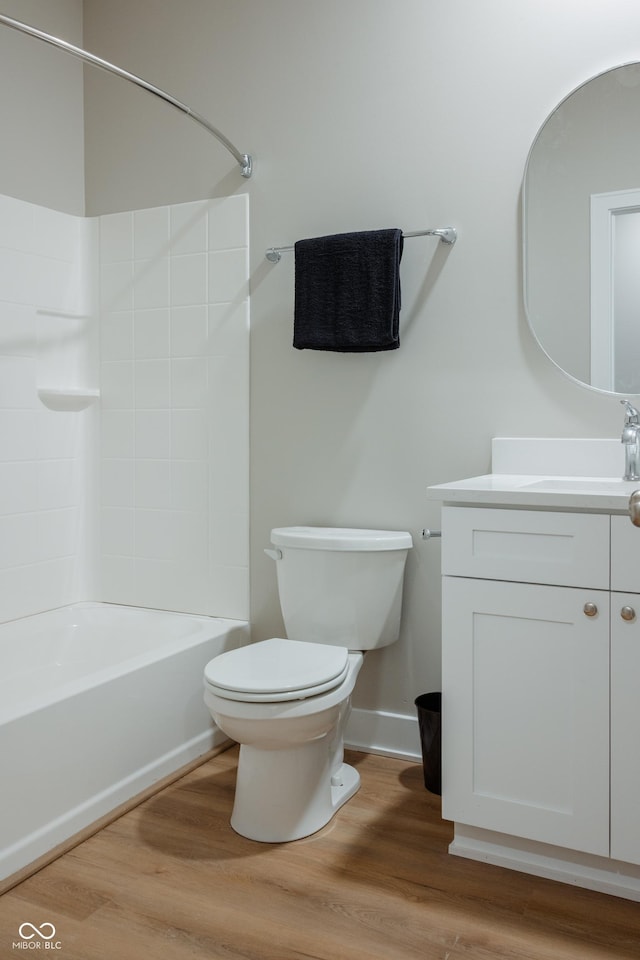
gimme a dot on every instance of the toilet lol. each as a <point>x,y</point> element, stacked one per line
<point>286,701</point>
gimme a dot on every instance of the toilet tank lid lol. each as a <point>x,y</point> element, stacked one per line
<point>340,538</point>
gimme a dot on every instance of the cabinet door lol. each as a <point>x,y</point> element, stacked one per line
<point>625,728</point>
<point>526,711</point>
<point>625,555</point>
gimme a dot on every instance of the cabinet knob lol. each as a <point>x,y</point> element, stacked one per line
<point>590,609</point>
<point>628,614</point>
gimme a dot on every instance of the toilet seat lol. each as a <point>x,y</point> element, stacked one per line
<point>277,670</point>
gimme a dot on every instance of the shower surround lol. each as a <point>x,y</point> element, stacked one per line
<point>138,496</point>
<point>124,345</point>
<point>174,378</point>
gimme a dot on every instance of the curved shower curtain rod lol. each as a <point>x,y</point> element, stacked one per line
<point>244,159</point>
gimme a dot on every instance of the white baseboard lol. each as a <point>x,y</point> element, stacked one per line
<point>389,734</point>
<point>543,860</point>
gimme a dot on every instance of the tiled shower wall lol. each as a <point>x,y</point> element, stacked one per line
<point>175,393</point>
<point>141,498</point>
<point>47,339</point>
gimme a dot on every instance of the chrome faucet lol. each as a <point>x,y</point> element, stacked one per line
<point>631,440</point>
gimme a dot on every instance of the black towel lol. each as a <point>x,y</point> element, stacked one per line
<point>347,292</point>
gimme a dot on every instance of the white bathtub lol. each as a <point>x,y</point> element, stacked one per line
<point>97,703</point>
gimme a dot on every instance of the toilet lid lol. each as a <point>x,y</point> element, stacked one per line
<point>340,538</point>
<point>277,669</point>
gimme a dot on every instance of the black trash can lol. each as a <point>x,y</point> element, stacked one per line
<point>429,706</point>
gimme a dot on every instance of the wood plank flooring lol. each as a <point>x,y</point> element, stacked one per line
<point>171,880</point>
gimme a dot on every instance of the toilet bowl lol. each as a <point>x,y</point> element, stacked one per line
<point>291,776</point>
<point>286,701</point>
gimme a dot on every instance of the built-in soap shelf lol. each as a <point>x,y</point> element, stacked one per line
<point>68,398</point>
<point>67,352</point>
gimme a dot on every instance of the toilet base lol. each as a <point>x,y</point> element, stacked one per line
<point>283,795</point>
<point>350,784</point>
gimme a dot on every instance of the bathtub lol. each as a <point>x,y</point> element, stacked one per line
<point>97,703</point>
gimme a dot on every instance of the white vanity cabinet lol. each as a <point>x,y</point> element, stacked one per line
<point>541,677</point>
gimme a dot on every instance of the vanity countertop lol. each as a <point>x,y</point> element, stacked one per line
<point>549,473</point>
<point>607,494</point>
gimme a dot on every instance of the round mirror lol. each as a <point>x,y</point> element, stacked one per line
<point>581,223</point>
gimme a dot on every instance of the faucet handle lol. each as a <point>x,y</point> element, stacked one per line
<point>631,414</point>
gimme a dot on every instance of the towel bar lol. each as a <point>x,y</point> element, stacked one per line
<point>430,534</point>
<point>445,234</point>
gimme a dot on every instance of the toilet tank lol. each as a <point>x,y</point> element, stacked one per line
<point>341,586</point>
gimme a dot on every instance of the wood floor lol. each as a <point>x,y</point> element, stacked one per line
<point>171,880</point>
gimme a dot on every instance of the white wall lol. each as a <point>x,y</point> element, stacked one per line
<point>41,110</point>
<point>365,114</point>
